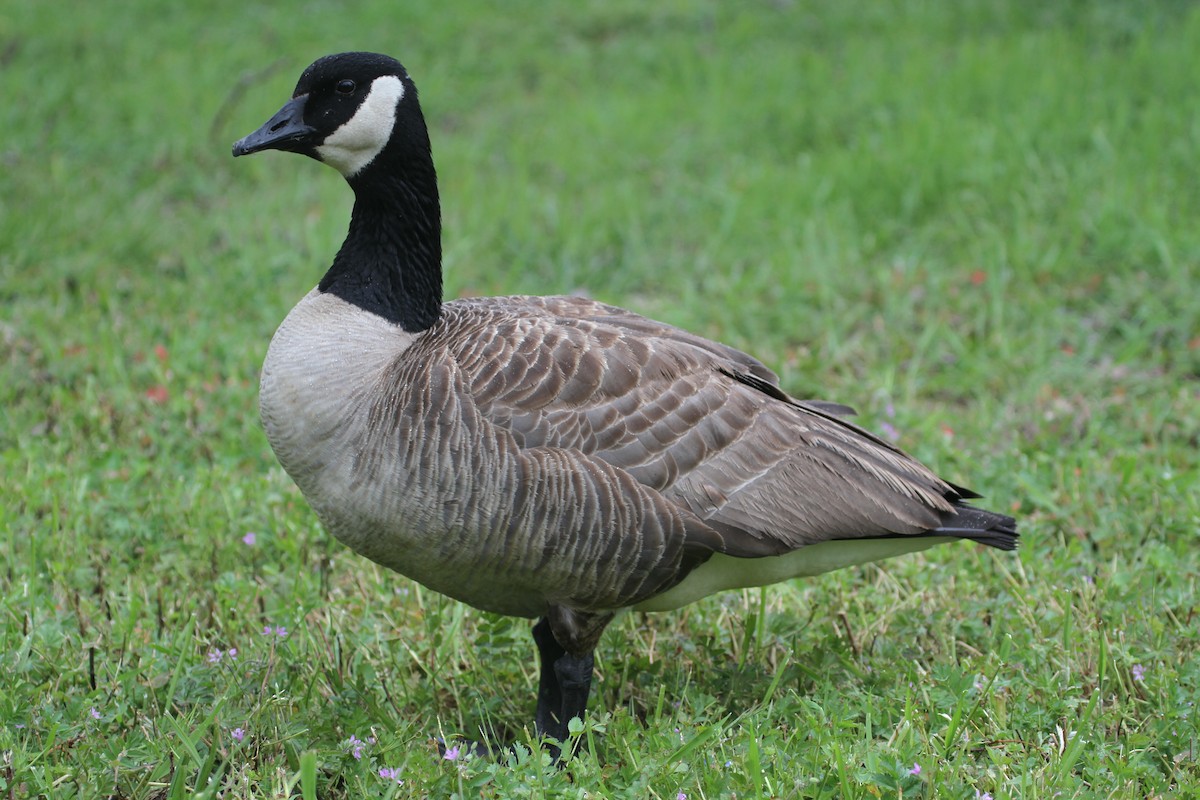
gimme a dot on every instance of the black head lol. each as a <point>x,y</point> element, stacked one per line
<point>343,112</point>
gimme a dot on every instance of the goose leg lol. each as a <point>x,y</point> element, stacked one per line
<point>575,679</point>
<point>549,702</point>
<point>563,686</point>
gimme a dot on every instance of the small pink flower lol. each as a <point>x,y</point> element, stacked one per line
<point>451,753</point>
<point>250,538</point>
<point>1139,672</point>
<point>95,714</point>
<point>916,769</point>
<point>983,795</point>
<point>681,796</point>
<point>238,734</point>
<point>232,652</point>
<point>214,656</point>
<point>279,631</point>
<point>356,746</point>
<point>390,774</point>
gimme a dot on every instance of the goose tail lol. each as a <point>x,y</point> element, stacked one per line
<point>978,525</point>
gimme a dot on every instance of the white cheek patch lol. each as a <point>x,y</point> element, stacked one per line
<point>356,143</point>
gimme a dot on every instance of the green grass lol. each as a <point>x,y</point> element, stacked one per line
<point>980,214</point>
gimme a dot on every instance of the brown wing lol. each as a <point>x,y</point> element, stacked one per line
<point>702,424</point>
<point>634,324</point>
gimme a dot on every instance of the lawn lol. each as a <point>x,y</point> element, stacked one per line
<point>977,222</point>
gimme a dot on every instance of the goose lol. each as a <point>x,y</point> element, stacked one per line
<point>553,458</point>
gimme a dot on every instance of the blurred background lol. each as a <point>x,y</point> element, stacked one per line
<point>976,222</point>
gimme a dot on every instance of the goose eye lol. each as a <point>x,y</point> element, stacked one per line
<point>345,87</point>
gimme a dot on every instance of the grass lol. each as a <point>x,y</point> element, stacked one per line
<point>974,221</point>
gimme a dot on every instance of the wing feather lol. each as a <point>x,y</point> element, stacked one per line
<point>703,424</point>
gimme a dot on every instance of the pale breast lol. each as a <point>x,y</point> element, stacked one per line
<point>390,457</point>
<point>317,387</point>
<point>323,359</point>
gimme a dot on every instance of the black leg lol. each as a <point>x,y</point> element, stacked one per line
<point>564,682</point>
<point>563,686</point>
<point>549,702</point>
<point>575,683</point>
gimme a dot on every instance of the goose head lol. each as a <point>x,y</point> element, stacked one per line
<point>346,111</point>
<point>359,113</point>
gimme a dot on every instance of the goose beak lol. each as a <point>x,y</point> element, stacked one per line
<point>287,130</point>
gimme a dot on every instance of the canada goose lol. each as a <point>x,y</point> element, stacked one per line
<point>550,457</point>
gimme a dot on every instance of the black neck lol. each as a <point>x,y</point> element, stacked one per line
<point>391,261</point>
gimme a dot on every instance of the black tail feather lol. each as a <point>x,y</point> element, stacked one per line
<point>963,493</point>
<point>978,525</point>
